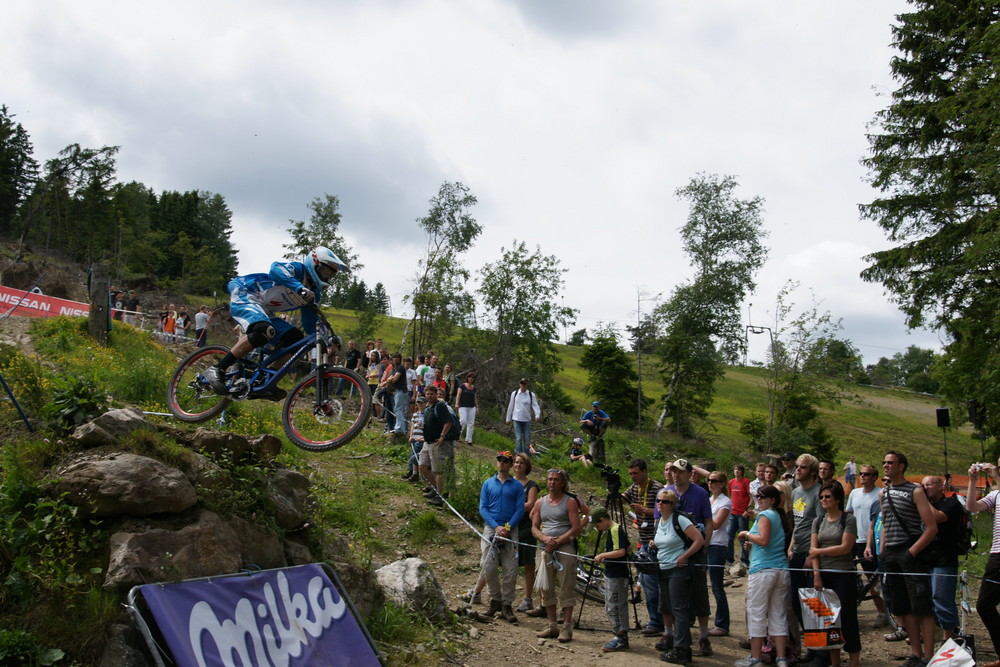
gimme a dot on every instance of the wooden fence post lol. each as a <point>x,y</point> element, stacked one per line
<point>100,288</point>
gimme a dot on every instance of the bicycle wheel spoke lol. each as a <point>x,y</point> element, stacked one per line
<point>325,415</point>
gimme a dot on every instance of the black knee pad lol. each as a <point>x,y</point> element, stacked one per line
<point>260,333</point>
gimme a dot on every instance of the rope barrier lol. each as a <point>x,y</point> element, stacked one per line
<point>587,559</point>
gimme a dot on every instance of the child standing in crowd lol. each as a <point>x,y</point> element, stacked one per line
<point>615,577</point>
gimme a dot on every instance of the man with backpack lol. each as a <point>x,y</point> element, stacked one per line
<point>950,517</point>
<point>440,432</point>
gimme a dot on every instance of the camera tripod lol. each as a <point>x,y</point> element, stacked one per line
<point>612,502</point>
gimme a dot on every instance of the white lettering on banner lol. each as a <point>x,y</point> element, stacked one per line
<point>271,649</point>
<point>76,312</point>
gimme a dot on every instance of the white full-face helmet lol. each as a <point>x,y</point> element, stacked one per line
<point>322,265</point>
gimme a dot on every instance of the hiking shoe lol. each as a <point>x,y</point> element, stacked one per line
<point>665,644</point>
<point>549,633</point>
<point>526,605</point>
<point>897,635</point>
<point>507,614</point>
<point>494,608</point>
<point>431,494</point>
<point>748,661</point>
<point>216,379</point>
<point>880,622</point>
<point>616,644</point>
<point>705,647</point>
<point>566,634</point>
<point>436,502</point>
<point>651,631</point>
<point>681,656</point>
<point>470,597</point>
<point>537,612</point>
<point>914,661</point>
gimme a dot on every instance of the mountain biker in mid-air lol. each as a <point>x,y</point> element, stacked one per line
<point>255,298</point>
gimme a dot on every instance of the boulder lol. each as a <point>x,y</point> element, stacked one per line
<point>360,583</point>
<point>124,484</point>
<point>298,554</point>
<point>125,646</point>
<point>259,545</point>
<point>288,491</point>
<point>231,447</point>
<point>411,584</point>
<point>108,428</point>
<point>206,547</point>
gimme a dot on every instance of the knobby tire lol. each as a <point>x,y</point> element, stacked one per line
<point>337,421</point>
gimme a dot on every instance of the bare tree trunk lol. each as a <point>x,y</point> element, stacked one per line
<point>100,288</point>
<point>666,400</point>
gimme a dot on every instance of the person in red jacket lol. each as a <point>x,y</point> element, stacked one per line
<point>739,494</point>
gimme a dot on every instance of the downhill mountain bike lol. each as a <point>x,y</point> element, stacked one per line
<point>325,410</point>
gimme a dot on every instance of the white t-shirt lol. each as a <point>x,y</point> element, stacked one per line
<point>859,503</point>
<point>720,536</point>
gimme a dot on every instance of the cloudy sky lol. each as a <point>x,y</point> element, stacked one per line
<point>572,121</point>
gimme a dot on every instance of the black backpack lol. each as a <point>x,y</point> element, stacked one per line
<point>689,517</point>
<point>966,534</point>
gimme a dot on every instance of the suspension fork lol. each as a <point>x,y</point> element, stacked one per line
<point>322,391</point>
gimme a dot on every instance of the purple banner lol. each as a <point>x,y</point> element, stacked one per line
<point>277,618</point>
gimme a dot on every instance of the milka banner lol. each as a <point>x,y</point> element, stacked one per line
<point>276,618</point>
<point>29,304</point>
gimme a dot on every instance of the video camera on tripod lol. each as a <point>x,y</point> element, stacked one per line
<point>612,479</point>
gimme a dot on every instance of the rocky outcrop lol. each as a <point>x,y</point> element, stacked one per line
<point>110,427</point>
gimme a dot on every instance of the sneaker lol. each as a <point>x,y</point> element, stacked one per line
<point>678,655</point>
<point>781,662</point>
<point>705,647</point>
<point>470,597</point>
<point>537,612</point>
<point>651,631</point>
<point>665,644</point>
<point>914,661</point>
<point>748,661</point>
<point>614,645</point>
<point>436,502</point>
<point>431,494</point>
<point>897,635</point>
<point>216,379</point>
<point>526,605</point>
<point>407,477</point>
<point>745,643</point>
<point>880,622</point>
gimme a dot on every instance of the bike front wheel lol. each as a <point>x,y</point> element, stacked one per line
<point>325,415</point>
<point>189,398</point>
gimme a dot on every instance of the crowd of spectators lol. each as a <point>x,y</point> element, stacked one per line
<point>806,530</point>
<point>170,325</point>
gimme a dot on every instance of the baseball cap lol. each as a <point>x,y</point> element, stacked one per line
<point>788,455</point>
<point>505,456</point>
<point>599,513</point>
<point>595,404</point>
<point>683,464</point>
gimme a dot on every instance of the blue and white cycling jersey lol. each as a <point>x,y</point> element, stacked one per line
<point>258,296</point>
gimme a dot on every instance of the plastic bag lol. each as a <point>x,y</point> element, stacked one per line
<point>952,654</point>
<point>543,574</point>
<point>820,619</point>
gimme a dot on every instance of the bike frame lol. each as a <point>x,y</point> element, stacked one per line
<point>252,370</point>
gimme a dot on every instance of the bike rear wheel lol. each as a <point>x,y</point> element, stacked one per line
<point>321,425</point>
<point>595,590</point>
<point>189,398</point>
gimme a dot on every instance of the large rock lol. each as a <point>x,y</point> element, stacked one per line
<point>125,646</point>
<point>231,447</point>
<point>361,584</point>
<point>108,428</point>
<point>411,584</point>
<point>124,484</point>
<point>288,491</point>
<point>206,547</point>
<point>259,545</point>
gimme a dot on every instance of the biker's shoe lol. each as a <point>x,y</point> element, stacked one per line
<point>216,379</point>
